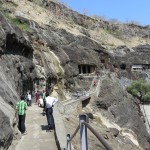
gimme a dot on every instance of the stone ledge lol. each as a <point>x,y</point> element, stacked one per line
<point>60,129</point>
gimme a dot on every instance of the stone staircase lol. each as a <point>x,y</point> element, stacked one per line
<point>94,90</point>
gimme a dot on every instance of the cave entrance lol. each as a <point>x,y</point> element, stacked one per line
<point>123,66</point>
<point>27,86</point>
<point>103,61</point>
<point>86,69</point>
<point>136,67</point>
<point>140,67</point>
<point>16,47</point>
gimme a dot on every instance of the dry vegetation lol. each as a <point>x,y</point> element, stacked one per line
<point>109,34</point>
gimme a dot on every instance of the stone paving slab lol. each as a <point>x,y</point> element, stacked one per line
<point>37,137</point>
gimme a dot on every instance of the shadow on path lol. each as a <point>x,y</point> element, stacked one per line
<point>44,127</point>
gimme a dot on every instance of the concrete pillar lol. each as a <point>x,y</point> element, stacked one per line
<point>83,132</point>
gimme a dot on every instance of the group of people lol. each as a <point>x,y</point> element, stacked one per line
<point>48,104</point>
<point>84,93</point>
<point>38,95</point>
<point>41,99</point>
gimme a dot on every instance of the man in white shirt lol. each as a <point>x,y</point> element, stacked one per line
<point>29,98</point>
<point>50,102</point>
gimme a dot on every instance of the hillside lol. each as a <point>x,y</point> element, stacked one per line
<point>44,44</point>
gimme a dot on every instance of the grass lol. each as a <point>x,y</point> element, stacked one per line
<point>12,20</point>
<point>22,25</point>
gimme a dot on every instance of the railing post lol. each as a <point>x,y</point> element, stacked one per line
<point>83,132</point>
<point>68,143</point>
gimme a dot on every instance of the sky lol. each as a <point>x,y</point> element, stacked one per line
<point>122,10</point>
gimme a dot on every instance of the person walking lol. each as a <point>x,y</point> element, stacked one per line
<point>77,94</point>
<point>21,107</point>
<point>50,102</point>
<point>29,99</point>
<point>84,92</point>
<point>94,83</point>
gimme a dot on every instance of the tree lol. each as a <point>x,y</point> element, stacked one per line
<point>141,90</point>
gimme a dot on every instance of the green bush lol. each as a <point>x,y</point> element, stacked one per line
<point>146,97</point>
<point>20,24</point>
<point>140,89</point>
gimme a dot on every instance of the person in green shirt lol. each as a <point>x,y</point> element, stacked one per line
<point>21,107</point>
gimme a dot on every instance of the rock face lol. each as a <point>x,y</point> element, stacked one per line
<point>16,77</point>
<point>59,49</point>
<point>138,55</point>
<point>8,99</point>
<point>119,107</point>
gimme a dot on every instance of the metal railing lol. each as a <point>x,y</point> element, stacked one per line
<point>83,134</point>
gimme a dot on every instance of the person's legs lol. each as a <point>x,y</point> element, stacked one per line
<point>19,123</point>
<point>44,107</point>
<point>50,120</point>
<point>53,125</point>
<point>38,101</point>
<point>23,129</point>
<point>47,115</point>
<point>30,102</point>
<point>27,102</point>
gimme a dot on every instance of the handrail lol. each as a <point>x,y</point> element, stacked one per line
<point>73,135</point>
<point>83,134</point>
<point>99,137</point>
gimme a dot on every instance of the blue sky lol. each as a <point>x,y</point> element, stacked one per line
<point>122,10</point>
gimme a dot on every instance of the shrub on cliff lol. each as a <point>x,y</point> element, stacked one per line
<point>141,90</point>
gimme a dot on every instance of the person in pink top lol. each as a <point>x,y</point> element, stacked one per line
<point>94,83</point>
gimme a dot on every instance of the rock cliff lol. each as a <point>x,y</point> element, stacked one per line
<point>44,41</point>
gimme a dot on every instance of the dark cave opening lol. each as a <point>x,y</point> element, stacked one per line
<point>123,66</point>
<point>86,68</point>
<point>16,47</point>
<point>27,85</point>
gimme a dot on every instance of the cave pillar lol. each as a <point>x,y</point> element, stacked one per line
<point>81,70</point>
<point>86,69</point>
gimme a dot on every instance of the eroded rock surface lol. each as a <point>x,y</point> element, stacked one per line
<point>120,107</point>
<point>44,40</point>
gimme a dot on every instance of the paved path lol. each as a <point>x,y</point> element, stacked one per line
<point>146,111</point>
<point>37,138</point>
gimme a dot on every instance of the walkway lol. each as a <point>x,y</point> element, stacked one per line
<point>37,137</point>
<point>146,112</point>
